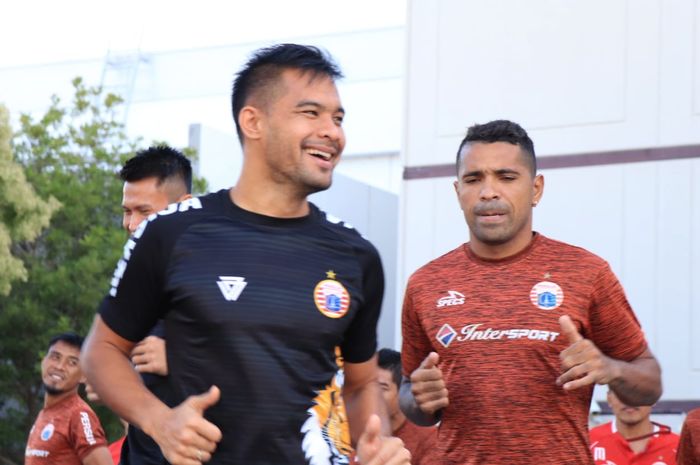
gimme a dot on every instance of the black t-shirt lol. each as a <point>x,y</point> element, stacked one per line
<point>139,448</point>
<point>255,305</point>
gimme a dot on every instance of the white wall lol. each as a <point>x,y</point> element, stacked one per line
<point>581,76</point>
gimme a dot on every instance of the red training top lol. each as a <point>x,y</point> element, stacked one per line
<point>115,450</point>
<point>419,440</point>
<point>608,446</point>
<point>494,324</point>
<point>689,447</point>
<point>64,433</point>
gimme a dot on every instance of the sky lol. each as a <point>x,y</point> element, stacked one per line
<point>40,31</point>
<point>45,44</point>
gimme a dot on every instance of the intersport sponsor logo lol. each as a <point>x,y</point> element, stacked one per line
<point>475,332</point>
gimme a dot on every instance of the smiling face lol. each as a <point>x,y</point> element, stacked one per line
<point>147,196</point>
<point>60,369</point>
<point>301,132</point>
<point>140,199</point>
<point>496,192</point>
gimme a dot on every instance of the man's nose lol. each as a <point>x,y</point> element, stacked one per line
<point>488,190</point>
<point>331,130</point>
<point>134,223</point>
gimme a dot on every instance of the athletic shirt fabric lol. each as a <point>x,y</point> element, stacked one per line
<point>494,324</point>
<point>256,306</point>
<point>419,440</point>
<point>115,449</point>
<point>138,448</point>
<point>64,434</point>
<point>608,447</point>
<point>689,446</point>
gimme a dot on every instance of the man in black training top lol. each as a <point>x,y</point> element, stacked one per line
<point>153,179</point>
<point>257,287</point>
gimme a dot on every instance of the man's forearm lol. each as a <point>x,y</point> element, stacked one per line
<point>360,403</point>
<point>363,397</point>
<point>410,408</point>
<point>638,382</point>
<point>108,369</point>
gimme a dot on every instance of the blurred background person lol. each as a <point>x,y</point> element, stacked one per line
<point>689,445</point>
<point>632,438</point>
<point>419,440</point>
<point>66,431</point>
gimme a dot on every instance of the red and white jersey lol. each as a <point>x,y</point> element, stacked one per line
<point>64,433</point>
<point>610,448</point>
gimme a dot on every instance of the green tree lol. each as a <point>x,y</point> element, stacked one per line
<point>24,214</point>
<point>72,153</point>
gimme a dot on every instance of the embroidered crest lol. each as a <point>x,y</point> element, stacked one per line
<point>47,432</point>
<point>546,295</point>
<point>331,297</point>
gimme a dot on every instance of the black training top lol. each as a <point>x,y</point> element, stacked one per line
<point>254,305</point>
<point>139,448</point>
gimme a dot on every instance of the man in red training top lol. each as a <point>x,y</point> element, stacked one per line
<point>419,440</point>
<point>505,336</point>
<point>632,438</point>
<point>689,446</point>
<point>66,431</point>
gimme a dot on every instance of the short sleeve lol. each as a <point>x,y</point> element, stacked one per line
<point>614,327</point>
<point>415,345</point>
<point>360,341</point>
<point>135,300</point>
<point>86,432</point>
<point>689,444</point>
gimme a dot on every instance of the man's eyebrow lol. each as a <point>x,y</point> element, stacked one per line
<point>507,171</point>
<point>473,173</point>
<point>142,206</point>
<point>313,103</point>
<point>498,171</point>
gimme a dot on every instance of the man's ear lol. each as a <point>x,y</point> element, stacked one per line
<point>537,189</point>
<point>250,122</point>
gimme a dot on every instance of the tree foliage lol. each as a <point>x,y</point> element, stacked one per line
<point>24,214</point>
<point>70,155</point>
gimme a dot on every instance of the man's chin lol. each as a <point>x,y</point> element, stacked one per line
<point>53,390</point>
<point>317,187</point>
<point>494,238</point>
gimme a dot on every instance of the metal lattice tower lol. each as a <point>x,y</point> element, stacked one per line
<point>119,75</point>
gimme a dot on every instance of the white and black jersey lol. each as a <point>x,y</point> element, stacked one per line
<point>256,306</point>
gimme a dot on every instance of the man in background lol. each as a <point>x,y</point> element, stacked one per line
<point>632,438</point>
<point>419,440</point>
<point>66,431</point>
<point>153,179</point>
<point>689,446</point>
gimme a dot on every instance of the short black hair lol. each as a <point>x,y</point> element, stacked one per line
<point>265,66</point>
<point>500,130</point>
<point>70,338</point>
<point>161,162</point>
<point>390,360</point>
